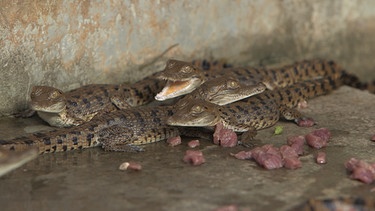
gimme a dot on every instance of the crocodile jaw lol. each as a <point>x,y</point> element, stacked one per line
<point>230,97</point>
<point>51,108</point>
<point>59,119</point>
<point>190,121</point>
<point>177,88</point>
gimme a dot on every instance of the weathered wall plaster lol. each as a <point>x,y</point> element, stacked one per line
<point>67,44</point>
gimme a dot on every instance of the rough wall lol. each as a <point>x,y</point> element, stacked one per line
<point>66,43</point>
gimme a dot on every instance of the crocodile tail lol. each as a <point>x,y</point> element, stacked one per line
<point>18,144</point>
<point>54,141</point>
<point>320,68</point>
<point>298,92</point>
<point>304,70</point>
<point>209,65</point>
<point>331,82</point>
<point>352,80</point>
<point>321,86</point>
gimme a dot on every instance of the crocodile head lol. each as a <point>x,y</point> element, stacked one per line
<point>182,78</point>
<point>197,113</point>
<point>47,99</point>
<point>224,90</point>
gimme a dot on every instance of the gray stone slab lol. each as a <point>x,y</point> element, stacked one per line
<point>90,179</point>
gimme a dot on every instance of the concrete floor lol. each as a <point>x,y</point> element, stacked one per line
<point>90,179</point>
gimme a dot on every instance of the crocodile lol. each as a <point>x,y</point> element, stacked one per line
<point>127,129</point>
<point>224,90</point>
<point>75,107</point>
<point>254,113</point>
<point>337,204</point>
<point>183,77</point>
<point>80,105</point>
<point>120,130</point>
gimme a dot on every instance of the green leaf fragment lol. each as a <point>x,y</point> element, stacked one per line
<point>278,130</point>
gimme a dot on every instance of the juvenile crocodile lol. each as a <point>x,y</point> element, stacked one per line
<point>125,130</point>
<point>338,204</point>
<point>75,107</point>
<point>184,77</point>
<point>120,130</point>
<point>224,90</point>
<point>254,113</point>
<point>81,105</point>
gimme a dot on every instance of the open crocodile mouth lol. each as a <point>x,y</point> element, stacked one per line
<point>177,88</point>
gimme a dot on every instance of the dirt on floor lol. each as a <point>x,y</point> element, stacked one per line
<point>90,179</point>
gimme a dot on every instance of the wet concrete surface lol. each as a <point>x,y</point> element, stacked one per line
<point>90,180</point>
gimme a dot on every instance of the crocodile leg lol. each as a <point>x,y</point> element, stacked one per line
<point>296,116</point>
<point>116,138</point>
<point>119,103</point>
<point>247,137</point>
<point>121,139</point>
<point>25,114</point>
<point>289,113</point>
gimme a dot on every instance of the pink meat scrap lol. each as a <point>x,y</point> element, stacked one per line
<point>194,157</point>
<point>193,143</point>
<point>361,170</point>
<point>318,138</point>
<point>224,137</point>
<point>174,141</point>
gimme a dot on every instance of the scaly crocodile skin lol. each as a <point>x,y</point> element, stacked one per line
<point>81,105</point>
<point>254,113</point>
<point>123,130</point>
<point>184,77</point>
<point>120,130</point>
<point>338,204</point>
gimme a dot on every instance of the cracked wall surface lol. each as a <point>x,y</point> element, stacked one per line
<point>67,44</point>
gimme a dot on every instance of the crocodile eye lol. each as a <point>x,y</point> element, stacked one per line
<point>54,94</point>
<point>197,109</point>
<point>187,69</point>
<point>232,84</point>
<point>170,64</point>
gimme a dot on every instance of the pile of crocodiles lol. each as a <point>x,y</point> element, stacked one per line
<point>111,115</point>
<point>242,99</point>
<point>205,94</point>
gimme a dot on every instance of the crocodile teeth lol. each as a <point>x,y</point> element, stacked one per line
<point>177,88</point>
